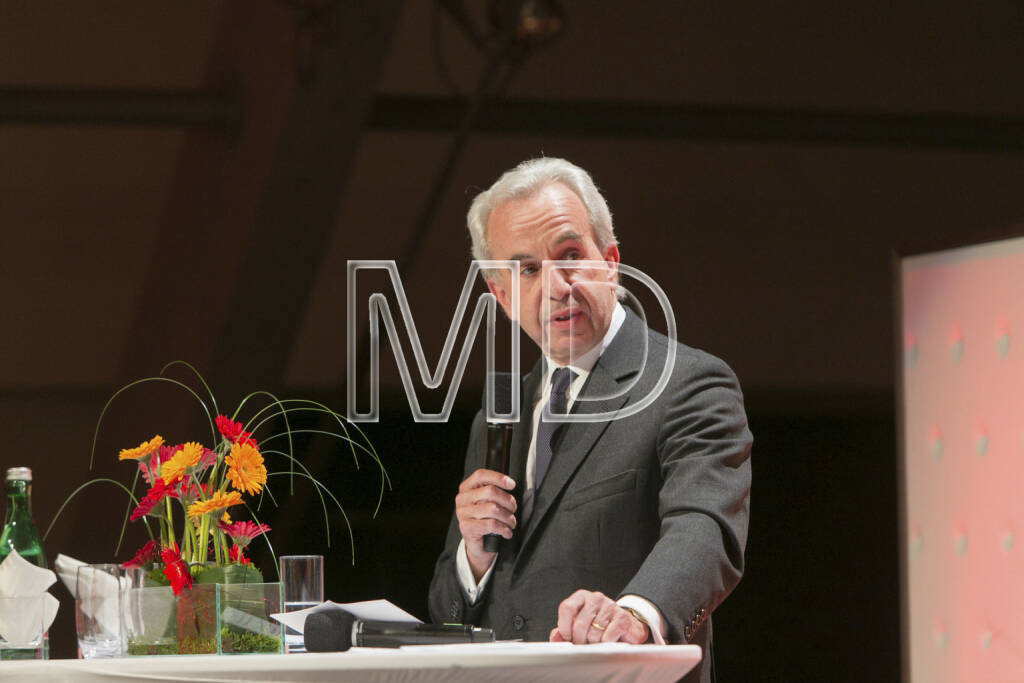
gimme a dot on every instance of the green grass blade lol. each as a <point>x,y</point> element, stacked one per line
<point>99,421</point>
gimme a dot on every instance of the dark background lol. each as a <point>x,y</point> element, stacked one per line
<point>188,180</point>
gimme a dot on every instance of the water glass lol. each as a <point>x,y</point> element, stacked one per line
<point>302,586</point>
<point>22,627</point>
<point>99,591</point>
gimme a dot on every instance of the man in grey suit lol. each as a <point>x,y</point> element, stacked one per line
<point>630,529</point>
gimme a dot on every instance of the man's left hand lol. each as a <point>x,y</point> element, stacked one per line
<point>593,617</point>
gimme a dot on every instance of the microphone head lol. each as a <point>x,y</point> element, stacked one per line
<point>328,631</point>
<point>502,383</point>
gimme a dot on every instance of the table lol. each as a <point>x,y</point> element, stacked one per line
<point>493,663</point>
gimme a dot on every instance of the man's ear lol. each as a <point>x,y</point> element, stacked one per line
<point>611,257</point>
<point>498,290</point>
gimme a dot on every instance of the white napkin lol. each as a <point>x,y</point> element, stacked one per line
<point>67,570</point>
<point>99,600</point>
<point>25,583</point>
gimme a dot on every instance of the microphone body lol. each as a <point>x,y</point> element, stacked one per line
<point>499,444</point>
<point>499,435</point>
<point>397,634</point>
<point>338,630</point>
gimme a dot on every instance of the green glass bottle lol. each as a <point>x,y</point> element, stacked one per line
<point>20,534</point>
<point>20,531</point>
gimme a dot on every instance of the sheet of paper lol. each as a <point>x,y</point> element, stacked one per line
<point>374,610</point>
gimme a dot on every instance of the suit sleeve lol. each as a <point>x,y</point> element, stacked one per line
<point>703,451</point>
<point>448,601</point>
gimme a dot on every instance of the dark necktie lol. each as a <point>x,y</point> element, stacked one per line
<point>557,404</point>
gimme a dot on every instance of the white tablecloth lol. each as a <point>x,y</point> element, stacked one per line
<point>498,663</point>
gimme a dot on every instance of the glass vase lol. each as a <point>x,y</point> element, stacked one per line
<point>209,618</point>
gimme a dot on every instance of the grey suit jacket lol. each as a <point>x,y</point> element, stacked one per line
<point>655,504</point>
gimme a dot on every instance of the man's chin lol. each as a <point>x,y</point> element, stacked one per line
<point>564,351</point>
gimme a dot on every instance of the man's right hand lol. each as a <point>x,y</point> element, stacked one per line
<point>484,506</point>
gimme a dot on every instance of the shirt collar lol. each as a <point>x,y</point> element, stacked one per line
<point>585,363</point>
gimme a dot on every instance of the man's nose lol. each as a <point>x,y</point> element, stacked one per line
<point>559,282</point>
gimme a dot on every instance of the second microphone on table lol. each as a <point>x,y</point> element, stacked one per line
<point>337,630</point>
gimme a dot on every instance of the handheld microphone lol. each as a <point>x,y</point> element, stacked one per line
<point>499,438</point>
<point>338,630</point>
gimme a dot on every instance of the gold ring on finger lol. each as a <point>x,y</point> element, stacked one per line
<point>597,626</point>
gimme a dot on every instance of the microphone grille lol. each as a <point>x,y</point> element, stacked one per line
<point>328,631</point>
<point>502,392</point>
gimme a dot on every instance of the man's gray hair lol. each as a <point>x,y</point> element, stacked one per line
<point>528,178</point>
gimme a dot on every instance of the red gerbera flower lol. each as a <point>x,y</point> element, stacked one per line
<point>190,492</point>
<point>229,429</point>
<point>242,533</point>
<point>207,459</point>
<point>162,455</point>
<point>236,553</point>
<point>143,557</point>
<point>155,494</point>
<point>175,569</point>
<point>233,432</point>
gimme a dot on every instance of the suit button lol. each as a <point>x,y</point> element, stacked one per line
<point>703,613</point>
<point>518,622</point>
<point>687,631</point>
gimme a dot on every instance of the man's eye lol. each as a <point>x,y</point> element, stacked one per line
<point>528,270</point>
<point>572,255</point>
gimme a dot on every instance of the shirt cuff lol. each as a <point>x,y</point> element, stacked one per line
<point>473,587</point>
<point>646,609</point>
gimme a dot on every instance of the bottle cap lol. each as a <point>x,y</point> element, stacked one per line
<point>19,473</point>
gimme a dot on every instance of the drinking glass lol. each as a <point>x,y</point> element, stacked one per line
<point>22,627</point>
<point>99,589</point>
<point>302,586</point>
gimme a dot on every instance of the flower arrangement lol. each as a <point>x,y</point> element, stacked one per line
<point>203,484</point>
<point>194,491</point>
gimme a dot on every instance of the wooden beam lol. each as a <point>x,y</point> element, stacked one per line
<point>682,121</point>
<point>298,206</point>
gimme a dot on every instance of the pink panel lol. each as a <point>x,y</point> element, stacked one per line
<point>963,417</point>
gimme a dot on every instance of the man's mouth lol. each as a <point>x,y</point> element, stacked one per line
<point>566,315</point>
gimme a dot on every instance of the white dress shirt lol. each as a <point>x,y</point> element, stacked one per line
<point>582,367</point>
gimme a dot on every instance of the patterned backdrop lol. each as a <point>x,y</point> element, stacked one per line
<point>963,460</point>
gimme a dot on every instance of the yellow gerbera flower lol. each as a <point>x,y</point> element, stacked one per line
<point>245,468</point>
<point>188,456</point>
<point>142,450</point>
<point>218,501</point>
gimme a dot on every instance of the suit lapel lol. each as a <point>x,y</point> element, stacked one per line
<point>521,435</point>
<point>619,362</point>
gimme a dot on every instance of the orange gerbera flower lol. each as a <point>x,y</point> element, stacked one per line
<point>174,469</point>
<point>218,501</point>
<point>142,450</point>
<point>245,468</point>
